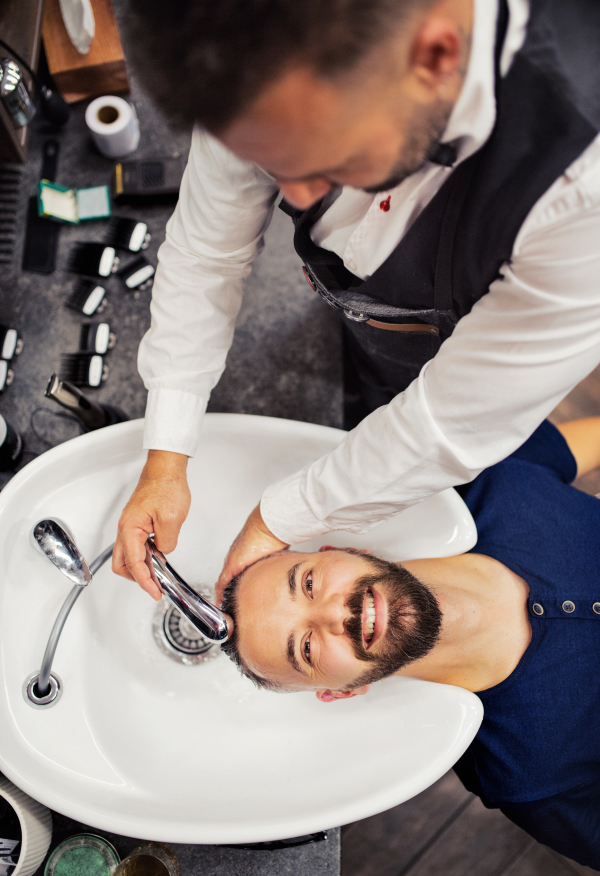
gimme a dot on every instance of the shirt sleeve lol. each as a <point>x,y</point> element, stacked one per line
<point>509,362</point>
<point>216,231</point>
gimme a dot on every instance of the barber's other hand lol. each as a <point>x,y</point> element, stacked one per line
<point>254,541</point>
<point>159,504</point>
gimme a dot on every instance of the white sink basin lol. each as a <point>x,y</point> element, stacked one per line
<point>147,747</point>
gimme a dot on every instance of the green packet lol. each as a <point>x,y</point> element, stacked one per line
<point>72,205</point>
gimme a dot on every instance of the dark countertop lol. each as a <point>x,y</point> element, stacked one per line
<point>315,859</point>
<point>285,362</point>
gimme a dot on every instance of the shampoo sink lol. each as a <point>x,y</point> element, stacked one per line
<point>189,751</point>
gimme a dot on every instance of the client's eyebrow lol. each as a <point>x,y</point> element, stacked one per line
<point>292,579</point>
<point>291,654</point>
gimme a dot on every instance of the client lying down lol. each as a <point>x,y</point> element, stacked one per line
<point>517,620</point>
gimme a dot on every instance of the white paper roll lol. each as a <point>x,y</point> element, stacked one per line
<point>113,125</point>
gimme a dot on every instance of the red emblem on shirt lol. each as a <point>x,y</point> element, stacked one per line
<point>385,205</point>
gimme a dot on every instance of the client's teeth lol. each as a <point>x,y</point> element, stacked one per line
<point>370,619</point>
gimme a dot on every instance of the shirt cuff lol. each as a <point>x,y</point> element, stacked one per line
<point>173,421</point>
<point>286,513</point>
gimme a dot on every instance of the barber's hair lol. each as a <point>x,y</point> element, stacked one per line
<point>231,647</point>
<point>205,61</point>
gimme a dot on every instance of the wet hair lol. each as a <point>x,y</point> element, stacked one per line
<point>205,61</point>
<point>414,621</point>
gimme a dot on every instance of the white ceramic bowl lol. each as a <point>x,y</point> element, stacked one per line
<point>36,827</point>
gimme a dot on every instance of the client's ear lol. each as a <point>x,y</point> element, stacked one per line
<point>328,696</point>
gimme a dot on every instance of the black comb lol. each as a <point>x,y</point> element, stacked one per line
<point>129,234</point>
<point>96,337</point>
<point>6,375</point>
<point>10,343</point>
<point>10,184</point>
<point>87,298</point>
<point>93,259</point>
<point>41,241</point>
<point>41,235</point>
<point>138,274</point>
<point>83,369</point>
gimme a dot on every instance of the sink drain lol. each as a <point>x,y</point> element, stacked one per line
<point>32,694</point>
<point>178,638</point>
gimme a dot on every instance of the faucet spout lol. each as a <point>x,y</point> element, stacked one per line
<point>56,543</point>
<point>207,618</point>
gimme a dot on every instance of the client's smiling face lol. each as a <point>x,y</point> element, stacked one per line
<point>333,620</point>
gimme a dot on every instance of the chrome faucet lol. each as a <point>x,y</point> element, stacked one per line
<point>206,617</point>
<point>56,543</point>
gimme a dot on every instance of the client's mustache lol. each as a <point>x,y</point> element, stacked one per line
<point>353,624</point>
<point>413,622</point>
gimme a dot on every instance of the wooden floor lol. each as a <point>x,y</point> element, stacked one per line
<point>446,831</point>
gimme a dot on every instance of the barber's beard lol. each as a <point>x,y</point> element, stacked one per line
<point>425,128</point>
<point>414,622</point>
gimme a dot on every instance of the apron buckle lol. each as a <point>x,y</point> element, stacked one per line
<point>355,317</point>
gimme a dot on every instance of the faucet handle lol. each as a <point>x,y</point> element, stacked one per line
<point>206,617</point>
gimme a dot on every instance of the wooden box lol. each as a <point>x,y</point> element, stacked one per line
<point>101,71</point>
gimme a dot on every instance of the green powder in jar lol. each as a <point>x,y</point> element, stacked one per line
<point>82,855</point>
<point>82,862</point>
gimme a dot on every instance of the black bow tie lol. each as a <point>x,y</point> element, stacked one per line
<point>444,154</point>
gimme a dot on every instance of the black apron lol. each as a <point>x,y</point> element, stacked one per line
<point>548,112</point>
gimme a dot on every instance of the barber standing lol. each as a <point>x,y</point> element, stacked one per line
<point>441,162</point>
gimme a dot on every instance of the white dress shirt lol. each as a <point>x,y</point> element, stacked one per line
<point>523,346</point>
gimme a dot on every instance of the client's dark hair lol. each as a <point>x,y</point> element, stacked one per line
<point>205,61</point>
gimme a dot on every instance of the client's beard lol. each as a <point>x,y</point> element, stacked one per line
<point>425,127</point>
<point>414,621</point>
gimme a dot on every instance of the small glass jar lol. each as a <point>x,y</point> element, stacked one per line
<point>149,859</point>
<point>86,854</point>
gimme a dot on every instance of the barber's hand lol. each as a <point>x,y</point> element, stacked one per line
<point>254,541</point>
<point>159,504</point>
